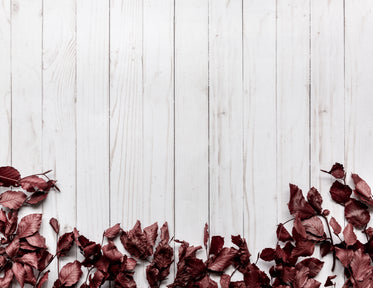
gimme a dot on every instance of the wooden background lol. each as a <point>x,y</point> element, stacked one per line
<point>189,111</point>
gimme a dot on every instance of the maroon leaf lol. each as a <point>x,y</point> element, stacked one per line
<point>357,213</point>
<point>336,227</point>
<point>283,234</point>
<point>12,199</point>
<point>37,198</point>
<point>340,193</point>
<point>6,279</point>
<point>55,225</point>
<point>206,235</point>
<point>360,266</point>
<point>9,176</point>
<point>217,243</point>
<point>64,244</point>
<point>112,253</point>
<point>29,225</point>
<point>315,199</point>
<point>33,183</point>
<point>349,235</point>
<point>112,232</point>
<point>337,171</point>
<point>329,282</point>
<point>36,240</point>
<point>70,273</point>
<point>298,204</point>
<point>361,186</point>
<point>222,260</point>
<point>42,280</point>
<point>19,272</point>
<point>268,254</point>
<point>314,226</point>
<point>30,259</point>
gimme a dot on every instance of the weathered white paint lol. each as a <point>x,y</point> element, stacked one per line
<point>185,111</point>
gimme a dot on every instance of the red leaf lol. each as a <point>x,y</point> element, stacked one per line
<point>349,235</point>
<point>151,233</point>
<point>36,240</point>
<point>42,280</point>
<point>112,253</point>
<point>206,235</point>
<point>64,244</point>
<point>315,199</point>
<point>55,225</point>
<point>12,199</point>
<point>33,183</point>
<point>19,272</point>
<point>283,234</point>
<point>165,235</point>
<point>298,204</point>
<point>7,279</point>
<point>314,226</point>
<point>362,188</point>
<point>30,259</point>
<point>70,273</point>
<point>217,243</point>
<point>313,264</point>
<point>268,254</point>
<point>9,176</point>
<point>37,197</point>
<point>337,171</point>
<point>336,227</point>
<point>222,260</point>
<point>344,255</point>
<point>357,213</point>
<point>12,249</point>
<point>29,225</point>
<point>112,232</point>
<point>329,282</point>
<point>360,266</point>
<point>340,193</point>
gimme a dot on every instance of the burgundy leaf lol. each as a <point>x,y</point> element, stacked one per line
<point>112,253</point>
<point>36,240</point>
<point>112,232</point>
<point>217,243</point>
<point>19,273</point>
<point>340,193</point>
<point>268,254</point>
<point>37,198</point>
<point>29,225</point>
<point>70,273</point>
<point>9,176</point>
<point>344,255</point>
<point>283,234</point>
<point>33,183</point>
<point>64,244</point>
<point>349,235</point>
<point>55,225</point>
<point>206,235</point>
<point>313,264</point>
<point>298,204</point>
<point>337,171</point>
<point>12,199</point>
<point>357,213</point>
<point>362,188</point>
<point>165,235</point>
<point>336,227</point>
<point>42,280</point>
<point>222,260</point>
<point>30,259</point>
<point>314,226</point>
<point>6,279</point>
<point>329,282</point>
<point>315,199</point>
<point>360,266</point>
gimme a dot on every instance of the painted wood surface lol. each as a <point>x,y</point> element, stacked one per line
<point>189,112</point>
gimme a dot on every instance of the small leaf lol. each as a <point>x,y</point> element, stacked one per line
<point>55,225</point>
<point>70,273</point>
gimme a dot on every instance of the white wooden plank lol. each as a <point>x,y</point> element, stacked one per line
<point>359,59</point>
<point>126,111</point>
<point>226,133</point>
<point>158,111</point>
<point>126,129</point>
<point>327,106</point>
<point>191,120</point>
<point>27,85</point>
<point>59,118</point>
<point>5,84</point>
<point>92,108</point>
<point>293,20</point>
<point>259,80</point>
<point>358,86</point>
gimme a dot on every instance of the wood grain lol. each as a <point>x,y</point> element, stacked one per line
<point>327,105</point>
<point>92,110</point>
<point>259,120</point>
<point>5,83</point>
<point>191,120</point>
<point>226,130</point>
<point>59,117</point>
<point>293,73</point>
